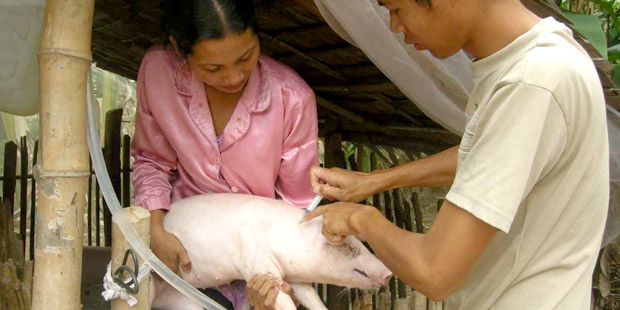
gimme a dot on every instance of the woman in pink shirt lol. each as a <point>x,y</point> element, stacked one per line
<point>215,116</point>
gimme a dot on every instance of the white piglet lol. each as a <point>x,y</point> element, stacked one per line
<point>233,236</point>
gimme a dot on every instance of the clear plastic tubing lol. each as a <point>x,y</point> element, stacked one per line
<point>128,231</point>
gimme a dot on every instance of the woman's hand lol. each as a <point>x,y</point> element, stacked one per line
<point>341,184</point>
<point>169,250</point>
<point>342,219</point>
<point>262,289</point>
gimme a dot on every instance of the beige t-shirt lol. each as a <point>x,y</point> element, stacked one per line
<point>533,162</point>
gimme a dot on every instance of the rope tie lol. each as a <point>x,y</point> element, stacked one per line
<point>115,287</point>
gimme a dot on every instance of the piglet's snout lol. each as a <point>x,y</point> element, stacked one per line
<point>386,278</point>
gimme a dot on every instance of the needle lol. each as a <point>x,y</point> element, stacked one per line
<point>313,204</point>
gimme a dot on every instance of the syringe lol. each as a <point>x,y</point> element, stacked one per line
<point>313,204</point>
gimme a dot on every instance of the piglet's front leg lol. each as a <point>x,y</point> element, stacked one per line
<point>308,296</point>
<point>284,302</point>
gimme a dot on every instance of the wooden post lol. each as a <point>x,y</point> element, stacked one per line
<point>435,305</point>
<point>140,219</point>
<point>383,301</point>
<point>418,300</point>
<point>334,157</point>
<point>389,215</point>
<point>10,171</point>
<point>23,192</point>
<point>439,203</point>
<point>366,301</point>
<point>126,171</point>
<point>401,303</point>
<point>112,156</point>
<point>64,60</point>
<point>89,206</point>
<point>417,211</point>
<point>399,216</point>
<point>97,214</point>
<point>33,202</point>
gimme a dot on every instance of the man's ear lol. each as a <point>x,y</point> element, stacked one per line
<point>174,45</point>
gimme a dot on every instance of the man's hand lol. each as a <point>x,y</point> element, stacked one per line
<point>342,219</point>
<point>262,289</point>
<point>341,184</point>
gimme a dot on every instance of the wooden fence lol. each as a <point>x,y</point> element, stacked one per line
<point>405,212</point>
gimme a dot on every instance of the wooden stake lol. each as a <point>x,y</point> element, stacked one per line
<point>27,281</point>
<point>384,302</point>
<point>64,60</point>
<point>366,301</point>
<point>401,304</point>
<point>140,219</point>
<point>418,301</point>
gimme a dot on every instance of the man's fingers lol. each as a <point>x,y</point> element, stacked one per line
<point>332,238</point>
<point>330,192</point>
<point>317,176</point>
<point>335,239</point>
<point>317,212</point>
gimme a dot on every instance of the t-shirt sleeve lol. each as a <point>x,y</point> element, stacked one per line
<point>510,144</point>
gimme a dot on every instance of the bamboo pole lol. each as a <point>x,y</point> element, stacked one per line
<point>140,220</point>
<point>64,60</point>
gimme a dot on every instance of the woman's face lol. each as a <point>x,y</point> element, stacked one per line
<point>225,64</point>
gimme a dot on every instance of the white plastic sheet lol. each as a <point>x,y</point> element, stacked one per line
<point>440,88</point>
<point>20,23</point>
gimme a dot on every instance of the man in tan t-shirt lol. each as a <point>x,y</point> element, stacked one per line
<point>523,220</point>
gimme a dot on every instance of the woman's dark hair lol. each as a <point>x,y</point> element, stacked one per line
<point>189,21</point>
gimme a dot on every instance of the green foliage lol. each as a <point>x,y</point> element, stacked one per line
<point>598,21</point>
<point>590,28</point>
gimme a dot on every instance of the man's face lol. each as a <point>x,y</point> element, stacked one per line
<point>438,28</point>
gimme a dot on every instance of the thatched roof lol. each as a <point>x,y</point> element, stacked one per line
<point>353,96</point>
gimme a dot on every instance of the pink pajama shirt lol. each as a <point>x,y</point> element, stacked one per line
<point>266,148</point>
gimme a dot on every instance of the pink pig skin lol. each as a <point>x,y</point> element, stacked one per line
<point>235,236</point>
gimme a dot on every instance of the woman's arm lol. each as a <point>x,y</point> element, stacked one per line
<point>155,159</point>
<point>299,149</point>
<point>153,171</point>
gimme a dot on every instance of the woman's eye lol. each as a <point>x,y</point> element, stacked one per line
<point>211,70</point>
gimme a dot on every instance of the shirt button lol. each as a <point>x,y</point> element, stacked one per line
<point>234,189</point>
<point>217,160</point>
